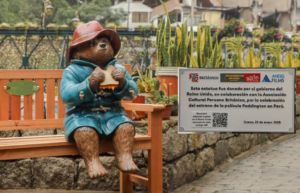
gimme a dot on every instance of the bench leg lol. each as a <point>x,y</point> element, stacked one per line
<point>126,186</point>
<point>155,160</point>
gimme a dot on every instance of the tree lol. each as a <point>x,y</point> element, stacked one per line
<point>14,11</point>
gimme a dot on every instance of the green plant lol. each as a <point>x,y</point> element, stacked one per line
<point>207,55</point>
<point>21,24</point>
<point>171,53</point>
<point>52,25</point>
<point>272,35</point>
<point>64,26</point>
<point>274,50</point>
<point>112,25</point>
<point>236,45</point>
<point>4,25</point>
<point>159,95</point>
<point>140,26</point>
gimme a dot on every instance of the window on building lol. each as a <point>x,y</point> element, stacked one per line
<point>175,16</point>
<point>140,17</point>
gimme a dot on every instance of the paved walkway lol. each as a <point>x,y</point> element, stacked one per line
<point>274,167</point>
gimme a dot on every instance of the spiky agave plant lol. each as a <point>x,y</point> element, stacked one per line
<point>236,45</point>
<point>274,49</point>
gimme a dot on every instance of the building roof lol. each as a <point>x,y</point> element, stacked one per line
<point>152,3</point>
<point>159,10</point>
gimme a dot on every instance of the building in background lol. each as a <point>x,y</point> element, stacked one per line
<point>281,14</point>
<point>139,13</point>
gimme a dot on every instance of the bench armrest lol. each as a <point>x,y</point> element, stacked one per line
<point>142,107</point>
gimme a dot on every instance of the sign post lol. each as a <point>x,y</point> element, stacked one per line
<point>236,100</point>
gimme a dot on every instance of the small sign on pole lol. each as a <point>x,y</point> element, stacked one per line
<point>236,100</point>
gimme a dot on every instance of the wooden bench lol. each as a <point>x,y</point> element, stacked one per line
<point>55,145</point>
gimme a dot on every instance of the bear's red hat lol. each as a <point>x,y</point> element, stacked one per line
<point>89,31</point>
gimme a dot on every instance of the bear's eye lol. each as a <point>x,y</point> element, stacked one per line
<point>92,43</point>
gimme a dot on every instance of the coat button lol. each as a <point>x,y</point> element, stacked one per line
<point>81,95</point>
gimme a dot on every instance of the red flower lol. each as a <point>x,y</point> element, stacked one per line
<point>240,30</point>
<point>218,31</point>
<point>278,37</point>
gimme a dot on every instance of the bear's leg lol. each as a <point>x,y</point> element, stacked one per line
<point>87,142</point>
<point>123,140</point>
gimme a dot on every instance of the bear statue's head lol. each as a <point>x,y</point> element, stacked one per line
<point>94,44</point>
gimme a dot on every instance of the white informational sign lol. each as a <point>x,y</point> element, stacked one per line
<point>236,100</point>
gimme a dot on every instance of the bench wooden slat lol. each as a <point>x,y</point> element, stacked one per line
<point>16,106</point>
<point>28,105</point>
<point>39,99</point>
<point>60,104</point>
<point>58,146</point>
<point>142,107</point>
<point>50,98</point>
<point>19,74</point>
<point>4,104</point>
<point>138,179</point>
<point>31,124</point>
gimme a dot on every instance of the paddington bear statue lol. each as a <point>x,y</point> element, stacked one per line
<point>92,113</point>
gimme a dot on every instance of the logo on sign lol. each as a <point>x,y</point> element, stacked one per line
<point>194,77</point>
<point>252,78</point>
<point>275,78</point>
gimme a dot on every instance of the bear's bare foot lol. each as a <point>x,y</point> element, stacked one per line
<point>123,140</point>
<point>126,164</point>
<point>95,169</point>
<point>87,142</point>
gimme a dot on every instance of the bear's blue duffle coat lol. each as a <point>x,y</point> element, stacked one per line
<point>78,109</point>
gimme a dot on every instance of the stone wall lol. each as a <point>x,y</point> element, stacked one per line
<point>186,157</point>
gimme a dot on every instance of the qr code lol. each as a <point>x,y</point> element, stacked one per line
<point>220,119</point>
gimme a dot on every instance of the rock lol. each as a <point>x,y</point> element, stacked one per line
<point>140,162</point>
<point>297,105</point>
<point>226,135</point>
<point>211,139</point>
<point>204,161</point>
<point>272,136</point>
<point>142,130</point>
<point>109,182</point>
<point>140,123</point>
<point>297,126</point>
<point>178,173</point>
<point>174,145</point>
<point>262,138</point>
<point>173,121</point>
<point>234,146</point>
<point>165,127</point>
<point>145,154</point>
<point>54,173</point>
<point>193,142</point>
<point>138,153</point>
<point>35,132</point>
<point>221,152</point>
<point>60,131</point>
<point>16,174</point>
<point>10,133</point>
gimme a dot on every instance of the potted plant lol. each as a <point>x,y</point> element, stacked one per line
<point>122,28</point>
<point>145,84</point>
<point>51,26</point>
<point>111,26</point>
<point>20,26</point>
<point>30,26</point>
<point>4,26</point>
<point>63,27</point>
<point>139,27</point>
<point>161,98</point>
